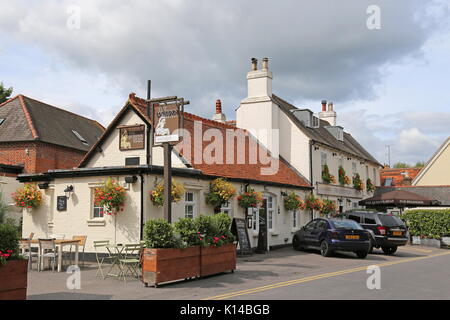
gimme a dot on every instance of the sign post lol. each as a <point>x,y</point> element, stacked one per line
<point>167,120</point>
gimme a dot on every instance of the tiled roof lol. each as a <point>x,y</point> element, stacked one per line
<point>399,176</point>
<point>27,119</point>
<point>285,174</point>
<point>323,136</point>
<point>440,193</point>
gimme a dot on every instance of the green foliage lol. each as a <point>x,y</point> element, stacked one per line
<point>428,223</point>
<point>186,228</point>
<point>401,165</point>
<point>4,208</point>
<point>419,164</point>
<point>9,243</point>
<point>159,234</point>
<point>5,94</point>
<point>214,230</point>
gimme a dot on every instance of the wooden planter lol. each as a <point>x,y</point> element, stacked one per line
<point>13,280</point>
<point>164,265</point>
<point>215,260</point>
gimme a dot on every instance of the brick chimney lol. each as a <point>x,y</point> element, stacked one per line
<point>219,116</point>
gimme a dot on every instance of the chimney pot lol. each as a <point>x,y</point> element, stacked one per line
<point>218,107</point>
<point>324,105</point>
<point>330,106</point>
<point>254,64</point>
<point>265,64</point>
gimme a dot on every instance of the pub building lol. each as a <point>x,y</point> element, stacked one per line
<point>289,159</point>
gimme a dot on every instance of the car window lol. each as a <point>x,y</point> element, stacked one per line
<point>346,224</point>
<point>370,219</point>
<point>311,225</point>
<point>322,224</point>
<point>354,218</point>
<point>390,221</point>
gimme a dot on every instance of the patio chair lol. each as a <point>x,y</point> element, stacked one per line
<point>98,245</point>
<point>129,265</point>
<point>81,244</point>
<point>57,236</point>
<point>47,249</point>
<point>28,253</point>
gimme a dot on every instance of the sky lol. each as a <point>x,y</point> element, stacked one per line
<point>389,84</point>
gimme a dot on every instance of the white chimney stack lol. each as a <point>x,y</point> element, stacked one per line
<point>259,81</point>
<point>328,115</point>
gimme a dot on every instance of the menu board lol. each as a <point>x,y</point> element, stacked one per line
<point>61,203</point>
<point>239,229</point>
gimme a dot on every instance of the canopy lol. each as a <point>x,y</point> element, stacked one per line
<point>399,198</point>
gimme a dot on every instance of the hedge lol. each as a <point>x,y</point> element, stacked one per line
<point>428,223</point>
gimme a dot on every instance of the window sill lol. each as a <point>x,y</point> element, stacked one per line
<point>96,223</point>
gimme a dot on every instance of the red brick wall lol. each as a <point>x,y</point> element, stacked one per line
<point>40,157</point>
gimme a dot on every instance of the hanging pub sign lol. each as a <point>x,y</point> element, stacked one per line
<point>132,137</point>
<point>167,120</point>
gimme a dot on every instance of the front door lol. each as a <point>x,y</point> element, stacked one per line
<point>263,245</point>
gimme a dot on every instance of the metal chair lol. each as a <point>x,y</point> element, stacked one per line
<point>82,243</point>
<point>47,249</point>
<point>28,253</point>
<point>98,245</point>
<point>129,265</point>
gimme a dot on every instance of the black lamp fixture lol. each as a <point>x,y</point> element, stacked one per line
<point>68,191</point>
<point>284,194</point>
<point>131,179</point>
<point>43,186</point>
<point>340,200</point>
<point>349,201</point>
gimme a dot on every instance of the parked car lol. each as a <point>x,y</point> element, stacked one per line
<point>387,231</point>
<point>330,235</point>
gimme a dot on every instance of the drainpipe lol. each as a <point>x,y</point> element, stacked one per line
<point>311,176</point>
<point>141,227</point>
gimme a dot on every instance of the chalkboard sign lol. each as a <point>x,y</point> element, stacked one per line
<point>61,204</point>
<point>239,229</point>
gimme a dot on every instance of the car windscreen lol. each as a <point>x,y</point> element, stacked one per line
<point>346,224</point>
<point>390,221</point>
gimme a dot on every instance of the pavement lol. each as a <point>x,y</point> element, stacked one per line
<point>414,272</point>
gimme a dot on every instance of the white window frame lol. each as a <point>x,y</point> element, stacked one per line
<point>192,204</point>
<point>271,212</point>
<point>94,208</point>
<point>227,208</point>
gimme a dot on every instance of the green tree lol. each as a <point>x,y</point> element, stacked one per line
<point>400,165</point>
<point>5,93</point>
<point>420,164</point>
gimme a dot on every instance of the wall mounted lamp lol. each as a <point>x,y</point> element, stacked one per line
<point>131,179</point>
<point>43,186</point>
<point>68,191</point>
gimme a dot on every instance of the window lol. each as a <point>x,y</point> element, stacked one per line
<point>355,218</point>
<point>374,176</point>
<point>255,218</point>
<point>226,208</point>
<point>322,225</point>
<point>341,163</point>
<point>1,121</point>
<point>270,212</point>
<point>370,220</point>
<point>80,137</point>
<point>189,205</point>
<point>97,211</point>
<point>311,225</point>
<point>354,168</point>
<point>323,159</point>
<point>388,182</point>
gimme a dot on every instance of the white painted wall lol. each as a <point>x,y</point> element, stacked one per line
<point>8,185</point>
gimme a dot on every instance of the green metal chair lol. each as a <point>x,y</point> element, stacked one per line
<point>129,265</point>
<point>98,246</point>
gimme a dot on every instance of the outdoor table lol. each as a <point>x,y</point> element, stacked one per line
<point>117,255</point>
<point>60,244</point>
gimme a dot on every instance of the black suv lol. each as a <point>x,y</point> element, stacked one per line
<point>387,231</point>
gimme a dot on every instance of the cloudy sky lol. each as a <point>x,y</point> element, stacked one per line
<point>389,85</point>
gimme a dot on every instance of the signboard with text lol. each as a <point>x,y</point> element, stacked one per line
<point>167,120</point>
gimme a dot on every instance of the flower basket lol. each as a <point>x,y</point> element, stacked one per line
<point>157,195</point>
<point>293,202</point>
<point>370,185</point>
<point>250,199</point>
<point>326,176</point>
<point>111,196</point>
<point>328,207</point>
<point>220,192</point>
<point>357,182</point>
<point>28,197</point>
<point>313,203</point>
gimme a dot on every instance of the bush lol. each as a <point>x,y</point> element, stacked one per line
<point>188,231</point>
<point>214,230</point>
<point>427,223</point>
<point>159,234</point>
<point>9,243</point>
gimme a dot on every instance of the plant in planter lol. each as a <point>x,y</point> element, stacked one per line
<point>326,176</point>
<point>343,178</point>
<point>220,192</point>
<point>313,203</point>
<point>13,269</point>
<point>328,207</point>
<point>357,182</point>
<point>111,196</point>
<point>250,199</point>
<point>187,231</point>
<point>370,185</point>
<point>29,197</point>
<point>157,195</point>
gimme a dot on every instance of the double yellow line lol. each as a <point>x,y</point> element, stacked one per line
<point>316,277</point>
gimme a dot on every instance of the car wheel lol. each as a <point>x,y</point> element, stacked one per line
<point>325,249</point>
<point>389,250</point>
<point>296,244</point>
<point>362,254</point>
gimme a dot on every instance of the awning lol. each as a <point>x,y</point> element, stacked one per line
<point>399,198</point>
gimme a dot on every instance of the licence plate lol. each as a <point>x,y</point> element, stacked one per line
<point>352,237</point>
<point>397,233</point>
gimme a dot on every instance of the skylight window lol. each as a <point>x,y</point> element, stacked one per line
<point>1,121</point>
<point>388,182</point>
<point>80,137</point>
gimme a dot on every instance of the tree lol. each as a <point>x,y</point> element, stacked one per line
<point>420,164</point>
<point>5,93</point>
<point>400,165</point>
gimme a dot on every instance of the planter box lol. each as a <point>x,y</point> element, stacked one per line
<point>416,240</point>
<point>13,280</point>
<point>445,241</point>
<point>215,260</point>
<point>164,265</point>
<point>431,243</point>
